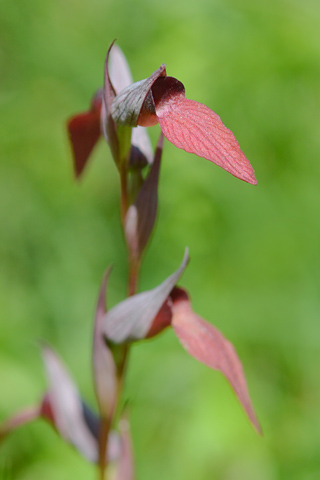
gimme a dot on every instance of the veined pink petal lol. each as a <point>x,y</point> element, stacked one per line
<point>196,129</point>
<point>207,344</point>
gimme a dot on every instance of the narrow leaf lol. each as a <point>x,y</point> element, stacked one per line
<point>104,369</point>
<point>142,214</point>
<point>108,125</point>
<point>195,128</point>
<point>132,318</point>
<point>128,104</point>
<point>67,407</point>
<point>205,343</point>
<point>84,132</point>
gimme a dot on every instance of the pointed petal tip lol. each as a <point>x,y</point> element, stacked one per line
<point>249,176</point>
<point>206,343</point>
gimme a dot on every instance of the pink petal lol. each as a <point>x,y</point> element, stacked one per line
<point>205,343</point>
<point>196,129</point>
<point>120,74</point>
<point>66,406</point>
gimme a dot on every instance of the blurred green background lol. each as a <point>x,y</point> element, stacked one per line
<point>255,261</point>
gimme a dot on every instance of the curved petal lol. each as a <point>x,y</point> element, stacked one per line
<point>67,408</point>
<point>119,69</point>
<point>127,105</point>
<point>132,319</point>
<point>204,342</point>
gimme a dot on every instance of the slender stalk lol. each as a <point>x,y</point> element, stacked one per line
<point>124,195</point>
<point>133,277</point>
<point>103,447</point>
<point>134,270</point>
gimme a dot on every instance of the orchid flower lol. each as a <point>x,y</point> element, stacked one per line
<point>148,313</point>
<point>74,421</point>
<point>187,124</point>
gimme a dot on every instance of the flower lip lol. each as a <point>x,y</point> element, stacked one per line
<point>166,90</point>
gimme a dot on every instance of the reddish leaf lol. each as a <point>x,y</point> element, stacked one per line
<point>104,369</point>
<point>142,214</point>
<point>84,132</point>
<point>195,128</point>
<point>132,319</point>
<point>205,343</point>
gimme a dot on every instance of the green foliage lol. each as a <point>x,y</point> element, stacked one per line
<point>255,260</point>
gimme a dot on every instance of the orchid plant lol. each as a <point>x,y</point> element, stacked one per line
<point>120,112</point>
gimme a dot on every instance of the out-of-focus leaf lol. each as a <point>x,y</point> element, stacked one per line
<point>92,420</point>
<point>104,369</point>
<point>142,214</point>
<point>21,418</point>
<point>67,407</point>
<point>124,467</point>
<point>205,343</point>
<point>132,318</point>
<point>84,132</point>
<point>130,102</point>
<point>196,129</point>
